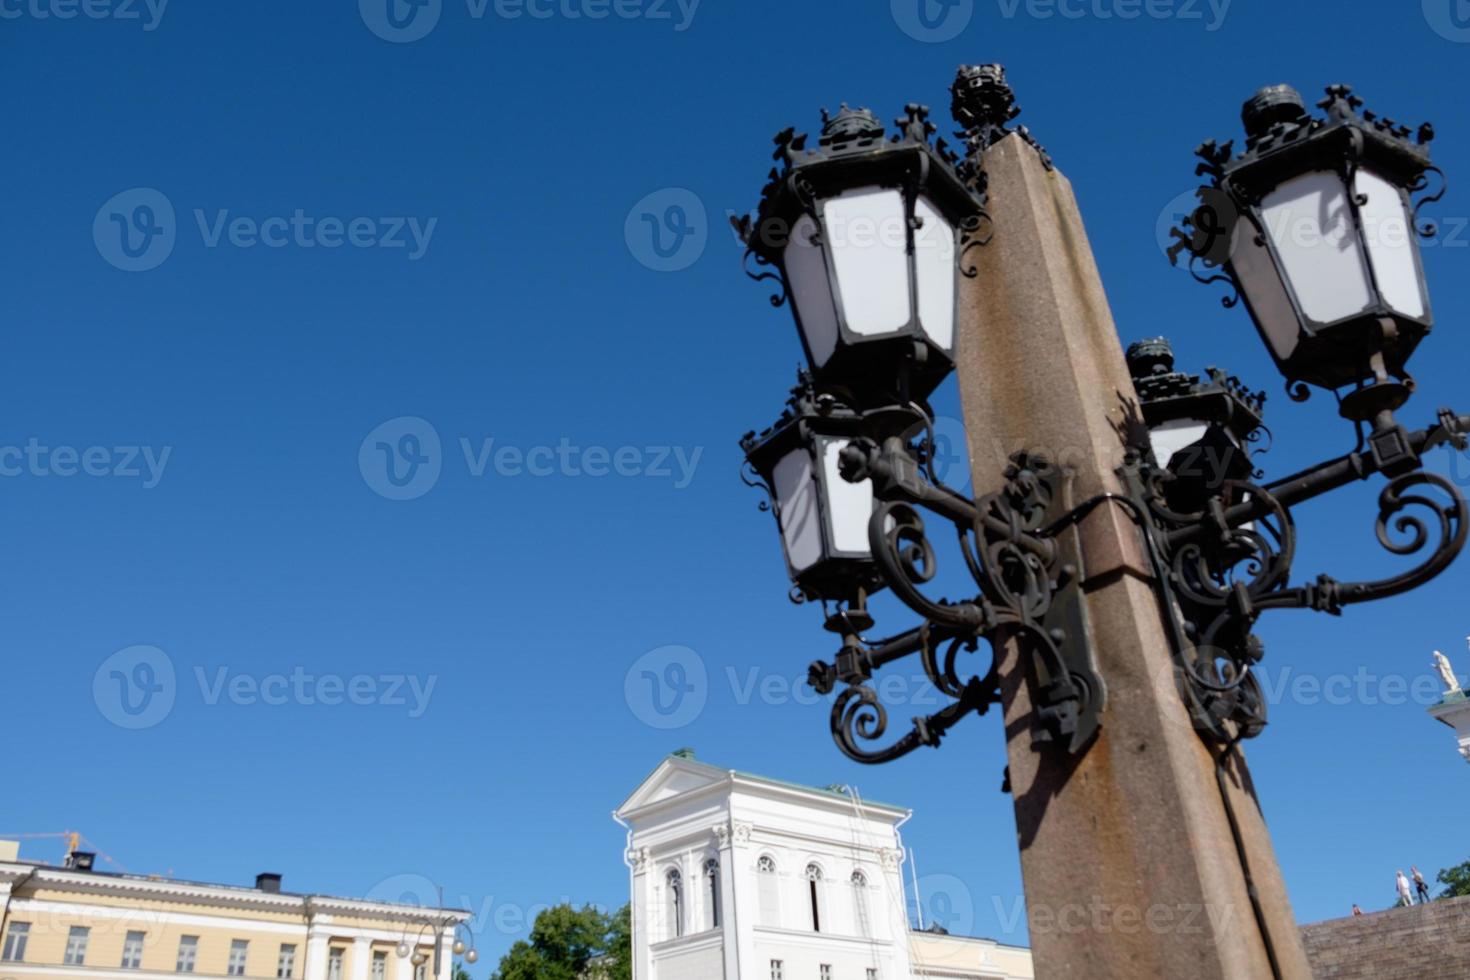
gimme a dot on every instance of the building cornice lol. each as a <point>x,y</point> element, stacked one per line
<point>223,897</point>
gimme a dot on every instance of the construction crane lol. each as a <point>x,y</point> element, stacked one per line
<point>74,841</point>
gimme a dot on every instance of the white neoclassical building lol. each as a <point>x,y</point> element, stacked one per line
<point>741,877</point>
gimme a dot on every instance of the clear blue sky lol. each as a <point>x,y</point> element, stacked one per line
<point>520,147</point>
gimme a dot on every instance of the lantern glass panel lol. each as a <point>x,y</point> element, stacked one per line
<point>849,505</point>
<point>867,231</point>
<point>1391,244</point>
<point>1310,221</point>
<point>1170,437</point>
<point>801,519</point>
<point>806,272</point>
<point>934,262</point>
<point>1261,282</point>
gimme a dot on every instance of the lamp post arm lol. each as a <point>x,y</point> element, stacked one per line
<point>1326,477</point>
<point>896,475</point>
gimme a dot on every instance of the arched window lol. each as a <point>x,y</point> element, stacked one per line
<point>712,894</point>
<point>770,892</point>
<point>814,892</point>
<point>860,904</point>
<point>674,897</point>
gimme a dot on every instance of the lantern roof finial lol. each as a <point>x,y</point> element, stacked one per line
<point>1271,107</point>
<point>849,125</point>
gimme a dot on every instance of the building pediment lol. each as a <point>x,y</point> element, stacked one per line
<point>675,776</point>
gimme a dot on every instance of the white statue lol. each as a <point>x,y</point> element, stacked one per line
<point>1405,896</point>
<point>1447,673</point>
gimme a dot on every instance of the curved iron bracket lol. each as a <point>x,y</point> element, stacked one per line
<point>1021,549</point>
<point>1219,568</point>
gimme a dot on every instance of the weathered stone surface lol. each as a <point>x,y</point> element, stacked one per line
<point>1130,866</point>
<point>1424,942</point>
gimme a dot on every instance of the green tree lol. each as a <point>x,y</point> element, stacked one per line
<point>1456,880</point>
<point>620,945</point>
<point>566,941</point>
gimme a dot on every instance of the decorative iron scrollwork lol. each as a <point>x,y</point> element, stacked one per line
<point>1017,545</point>
<point>1221,567</point>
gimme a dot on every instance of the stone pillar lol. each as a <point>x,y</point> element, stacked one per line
<point>401,967</point>
<point>643,913</point>
<point>1130,865</point>
<point>362,955</point>
<point>318,934</point>
<point>738,913</point>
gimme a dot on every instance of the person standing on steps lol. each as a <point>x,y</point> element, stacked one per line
<point>1405,899</point>
<point>1421,887</point>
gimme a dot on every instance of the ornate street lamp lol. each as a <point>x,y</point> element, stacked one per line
<point>1302,223</point>
<point>409,949</point>
<point>823,518</point>
<point>1314,225</point>
<point>1200,431</point>
<point>865,236</point>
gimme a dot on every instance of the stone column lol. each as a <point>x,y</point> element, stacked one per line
<point>362,955</point>
<point>318,934</point>
<point>643,912</point>
<point>401,967</point>
<point>1130,865</point>
<point>737,895</point>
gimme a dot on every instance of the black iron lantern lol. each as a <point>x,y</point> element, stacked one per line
<point>823,518</point>
<point>1314,225</point>
<point>1200,430</point>
<point>865,236</point>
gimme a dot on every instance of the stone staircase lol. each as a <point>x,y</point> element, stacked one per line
<point>1422,942</point>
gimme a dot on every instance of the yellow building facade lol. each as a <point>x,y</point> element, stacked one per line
<point>75,923</point>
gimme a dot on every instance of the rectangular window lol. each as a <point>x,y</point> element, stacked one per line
<point>286,962</point>
<point>380,964</point>
<point>238,949</point>
<point>421,972</point>
<point>15,942</point>
<point>872,973</point>
<point>826,971</point>
<point>334,963</point>
<point>188,953</point>
<point>76,946</point>
<point>132,958</point>
<point>776,973</point>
